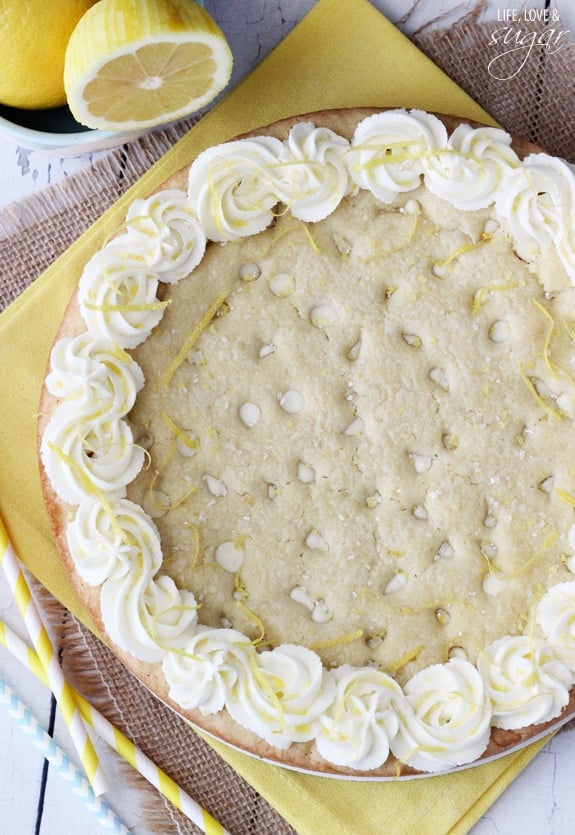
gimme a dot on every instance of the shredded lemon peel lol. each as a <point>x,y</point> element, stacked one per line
<point>193,338</point>
<point>555,413</point>
<point>337,642</point>
<point>179,434</point>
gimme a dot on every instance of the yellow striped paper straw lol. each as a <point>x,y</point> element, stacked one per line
<point>58,684</point>
<point>116,739</point>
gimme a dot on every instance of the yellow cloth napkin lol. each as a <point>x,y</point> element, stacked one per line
<point>344,53</point>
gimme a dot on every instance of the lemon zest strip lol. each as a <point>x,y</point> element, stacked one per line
<point>127,308</point>
<point>336,642</point>
<point>254,619</point>
<point>480,297</point>
<point>562,494</point>
<point>295,227</point>
<point>193,338</point>
<point>410,655</point>
<point>549,409</point>
<point>546,353</point>
<point>380,253</point>
<point>180,435</point>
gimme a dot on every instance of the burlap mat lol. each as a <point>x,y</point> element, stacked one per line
<point>536,103</point>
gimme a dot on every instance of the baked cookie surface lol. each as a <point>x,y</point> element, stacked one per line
<point>333,525</point>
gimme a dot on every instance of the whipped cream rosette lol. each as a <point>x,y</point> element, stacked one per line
<point>305,449</point>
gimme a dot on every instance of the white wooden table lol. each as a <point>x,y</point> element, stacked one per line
<point>33,799</point>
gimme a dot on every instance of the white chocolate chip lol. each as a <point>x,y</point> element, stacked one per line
<point>343,246</point>
<point>449,441</point>
<point>398,582</point>
<point>187,446</point>
<point>323,315</point>
<point>412,339</point>
<point>441,270</point>
<point>494,583</point>
<point>457,652</point>
<point>489,549</point>
<point>499,331</point>
<point>542,389</point>
<point>273,491</point>
<point>250,414</point>
<point>420,512</point>
<point>282,285</point>
<point>422,463</point>
<point>249,272</point>
<point>353,353</point>
<point>491,227</point>
<point>291,401</point>
<point>156,503</point>
<point>301,595</point>
<point>315,541</point>
<point>267,350</point>
<point>437,375</point>
<point>442,616</point>
<point>356,427</point>
<point>321,613</point>
<point>374,641</point>
<point>305,473</point>
<point>412,207</point>
<point>215,485</point>
<point>490,521</point>
<point>546,484</point>
<point>444,550</point>
<point>374,500</point>
<point>230,556</point>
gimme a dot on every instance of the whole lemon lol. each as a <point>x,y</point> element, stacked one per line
<point>33,38</point>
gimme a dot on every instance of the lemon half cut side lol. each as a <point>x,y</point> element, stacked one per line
<point>139,63</point>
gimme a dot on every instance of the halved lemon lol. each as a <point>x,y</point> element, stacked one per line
<point>33,40</point>
<point>138,63</point>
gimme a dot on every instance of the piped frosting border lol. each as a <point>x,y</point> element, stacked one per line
<point>354,716</point>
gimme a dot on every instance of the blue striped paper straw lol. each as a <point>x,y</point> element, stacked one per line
<point>61,762</point>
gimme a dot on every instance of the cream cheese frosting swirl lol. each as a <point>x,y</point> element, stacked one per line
<point>107,541</point>
<point>448,723</point>
<point>209,667</point>
<point>234,187</point>
<point>313,177</point>
<point>555,615</point>
<point>94,373</point>
<point>165,231</point>
<point>117,295</point>
<point>472,168</point>
<point>388,151</point>
<point>147,617</point>
<point>283,700</point>
<point>362,719</point>
<point>527,683</point>
<point>538,200</point>
<point>86,457</point>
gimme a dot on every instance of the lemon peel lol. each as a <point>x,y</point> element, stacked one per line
<point>136,65</point>
<point>193,338</point>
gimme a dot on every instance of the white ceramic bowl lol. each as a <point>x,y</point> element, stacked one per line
<point>56,131</point>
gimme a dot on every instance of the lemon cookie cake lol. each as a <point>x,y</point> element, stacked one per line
<point>306,442</point>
